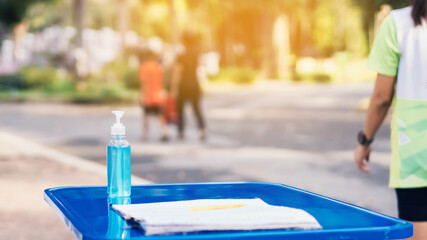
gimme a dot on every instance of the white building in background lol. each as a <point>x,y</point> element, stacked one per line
<point>99,48</point>
<point>7,52</point>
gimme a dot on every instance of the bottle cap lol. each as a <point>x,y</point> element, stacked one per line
<point>118,128</point>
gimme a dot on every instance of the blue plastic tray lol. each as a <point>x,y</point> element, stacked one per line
<point>85,211</point>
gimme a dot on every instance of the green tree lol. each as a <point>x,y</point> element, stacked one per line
<point>250,23</point>
<point>12,15</point>
<point>370,7</point>
<point>13,12</point>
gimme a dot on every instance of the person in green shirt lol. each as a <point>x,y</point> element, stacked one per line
<point>399,56</point>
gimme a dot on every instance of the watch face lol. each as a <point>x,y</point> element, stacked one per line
<point>361,138</point>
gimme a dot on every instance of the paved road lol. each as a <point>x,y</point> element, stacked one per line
<point>297,134</point>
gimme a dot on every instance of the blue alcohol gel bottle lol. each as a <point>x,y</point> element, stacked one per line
<point>118,161</point>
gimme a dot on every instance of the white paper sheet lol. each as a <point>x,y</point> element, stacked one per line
<point>215,214</point>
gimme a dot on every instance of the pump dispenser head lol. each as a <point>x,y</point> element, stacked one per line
<point>118,128</point>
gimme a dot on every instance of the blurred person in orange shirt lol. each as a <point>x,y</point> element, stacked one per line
<point>152,94</point>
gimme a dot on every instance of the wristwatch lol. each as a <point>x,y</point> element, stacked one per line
<point>361,138</point>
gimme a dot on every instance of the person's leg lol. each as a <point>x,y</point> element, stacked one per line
<point>180,115</point>
<point>145,123</point>
<point>412,206</point>
<point>420,231</point>
<point>162,123</point>
<point>195,102</point>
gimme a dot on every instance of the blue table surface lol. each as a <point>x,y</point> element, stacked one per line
<point>85,210</point>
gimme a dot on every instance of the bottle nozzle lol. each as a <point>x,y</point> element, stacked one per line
<point>119,114</point>
<point>118,128</point>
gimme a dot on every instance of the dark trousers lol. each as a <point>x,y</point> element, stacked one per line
<point>195,103</point>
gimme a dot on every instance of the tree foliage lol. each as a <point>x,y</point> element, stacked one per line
<point>13,11</point>
<point>370,7</point>
<point>241,30</point>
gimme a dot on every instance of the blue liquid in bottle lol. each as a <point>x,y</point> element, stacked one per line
<point>118,167</point>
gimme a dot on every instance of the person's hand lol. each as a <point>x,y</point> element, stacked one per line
<point>361,156</point>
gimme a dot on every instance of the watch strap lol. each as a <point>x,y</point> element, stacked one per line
<point>363,140</point>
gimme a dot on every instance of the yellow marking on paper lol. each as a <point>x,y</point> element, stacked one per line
<point>215,207</point>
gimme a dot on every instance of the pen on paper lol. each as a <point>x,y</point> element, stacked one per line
<point>215,207</point>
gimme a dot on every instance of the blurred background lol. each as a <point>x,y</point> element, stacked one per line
<point>285,88</point>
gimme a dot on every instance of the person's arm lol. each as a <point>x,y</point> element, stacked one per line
<point>380,102</point>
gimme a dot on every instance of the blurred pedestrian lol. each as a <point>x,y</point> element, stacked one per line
<point>399,56</point>
<point>152,93</point>
<point>186,86</point>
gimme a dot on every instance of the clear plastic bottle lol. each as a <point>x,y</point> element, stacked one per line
<point>118,161</point>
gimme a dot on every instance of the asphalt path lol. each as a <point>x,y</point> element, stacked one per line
<point>302,135</point>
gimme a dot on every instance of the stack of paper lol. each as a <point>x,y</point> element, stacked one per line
<point>215,214</point>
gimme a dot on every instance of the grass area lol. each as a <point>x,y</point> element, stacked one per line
<point>235,75</point>
<point>314,77</point>
<point>333,70</point>
<point>34,83</point>
<point>118,83</point>
<point>32,95</point>
<point>110,97</point>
